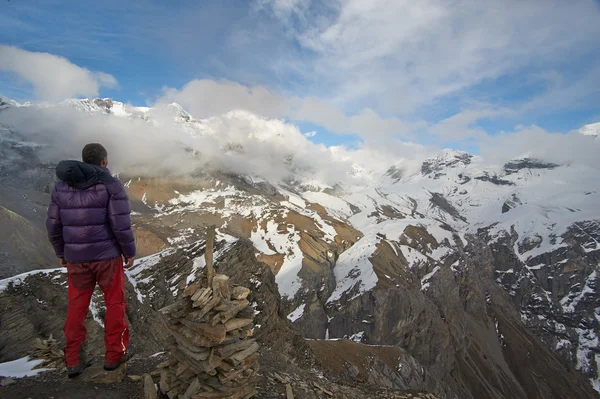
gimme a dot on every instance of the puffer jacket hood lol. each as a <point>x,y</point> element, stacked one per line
<point>81,175</point>
<point>89,216</point>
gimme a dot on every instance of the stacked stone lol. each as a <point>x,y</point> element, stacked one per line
<point>215,355</point>
<point>48,351</point>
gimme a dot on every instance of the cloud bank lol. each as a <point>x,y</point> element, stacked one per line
<point>52,77</point>
<point>205,98</point>
<point>242,143</point>
<point>400,55</point>
<point>236,142</point>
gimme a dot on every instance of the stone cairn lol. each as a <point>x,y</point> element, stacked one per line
<point>215,355</point>
<point>48,351</point>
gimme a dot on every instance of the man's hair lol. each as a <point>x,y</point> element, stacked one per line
<point>93,153</point>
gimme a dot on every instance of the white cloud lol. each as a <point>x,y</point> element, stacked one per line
<point>535,142</point>
<point>462,125</point>
<point>53,77</point>
<point>284,8</point>
<point>242,143</point>
<point>205,98</point>
<point>235,142</point>
<point>399,55</point>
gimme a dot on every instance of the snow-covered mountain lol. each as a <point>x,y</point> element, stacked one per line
<point>459,261</point>
<point>593,129</point>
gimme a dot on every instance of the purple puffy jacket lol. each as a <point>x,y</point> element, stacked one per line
<point>89,217</point>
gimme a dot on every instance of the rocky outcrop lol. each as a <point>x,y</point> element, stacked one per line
<point>440,201</point>
<point>436,167</point>
<point>528,163</point>
<point>385,366</point>
<point>34,306</point>
<point>556,292</point>
<point>454,320</point>
<point>494,179</point>
<point>511,203</point>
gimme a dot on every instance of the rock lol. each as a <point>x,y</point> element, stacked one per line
<point>494,180</point>
<point>240,293</point>
<point>7,382</point>
<point>135,378</point>
<point>148,390</point>
<point>191,289</point>
<point>97,375</point>
<point>528,163</point>
<point>511,203</point>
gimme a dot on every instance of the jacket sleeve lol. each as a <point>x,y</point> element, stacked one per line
<point>54,226</point>
<point>119,216</point>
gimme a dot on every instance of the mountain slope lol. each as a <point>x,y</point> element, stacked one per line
<point>466,265</point>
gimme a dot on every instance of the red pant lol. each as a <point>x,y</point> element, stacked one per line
<point>83,277</point>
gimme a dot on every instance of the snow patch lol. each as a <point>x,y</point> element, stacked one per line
<point>570,301</point>
<point>17,280</point>
<point>296,314</point>
<point>358,337</point>
<point>425,280</point>
<point>23,367</point>
<point>198,263</point>
<point>288,281</point>
<point>95,310</point>
<point>334,206</point>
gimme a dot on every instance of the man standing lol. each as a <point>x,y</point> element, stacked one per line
<point>89,225</point>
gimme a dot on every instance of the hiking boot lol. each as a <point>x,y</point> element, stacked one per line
<point>73,372</point>
<point>126,356</point>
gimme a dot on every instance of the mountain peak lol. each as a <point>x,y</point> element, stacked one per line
<point>447,159</point>
<point>593,129</point>
<point>6,102</point>
<point>181,115</point>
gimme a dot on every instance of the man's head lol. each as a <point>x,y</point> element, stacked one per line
<point>95,154</point>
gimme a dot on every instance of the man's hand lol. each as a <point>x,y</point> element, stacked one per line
<point>63,262</point>
<point>128,262</point>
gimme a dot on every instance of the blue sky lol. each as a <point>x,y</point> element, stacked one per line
<point>428,72</point>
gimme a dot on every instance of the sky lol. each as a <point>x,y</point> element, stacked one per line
<point>443,73</point>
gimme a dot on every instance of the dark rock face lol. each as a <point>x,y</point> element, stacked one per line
<point>494,180</point>
<point>104,103</point>
<point>23,204</point>
<point>464,179</point>
<point>528,163</point>
<point>283,350</point>
<point>434,167</point>
<point>511,203</point>
<point>37,307</point>
<point>556,292</point>
<point>385,366</point>
<point>462,327</point>
<point>438,200</point>
<point>395,173</point>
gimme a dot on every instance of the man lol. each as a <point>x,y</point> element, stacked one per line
<point>89,226</point>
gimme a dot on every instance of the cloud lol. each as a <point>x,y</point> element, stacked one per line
<point>400,55</point>
<point>462,125</point>
<point>245,144</point>
<point>375,68</point>
<point>235,142</point>
<point>53,77</point>
<point>284,8</point>
<point>535,142</point>
<point>205,98</point>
